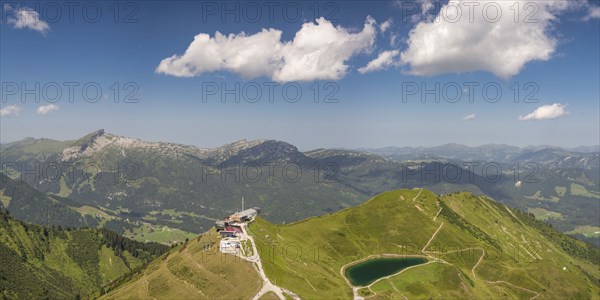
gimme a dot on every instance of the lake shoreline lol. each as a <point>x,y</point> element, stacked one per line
<point>344,268</point>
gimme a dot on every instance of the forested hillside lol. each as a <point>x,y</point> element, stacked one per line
<point>28,204</point>
<point>40,262</point>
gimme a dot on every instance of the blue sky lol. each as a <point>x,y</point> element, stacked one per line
<point>555,58</point>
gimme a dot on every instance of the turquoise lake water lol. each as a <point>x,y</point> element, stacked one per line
<point>367,272</point>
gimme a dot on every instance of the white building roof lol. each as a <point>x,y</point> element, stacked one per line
<point>246,212</point>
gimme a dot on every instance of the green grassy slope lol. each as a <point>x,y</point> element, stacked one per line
<point>477,249</point>
<point>42,262</point>
<point>189,272</point>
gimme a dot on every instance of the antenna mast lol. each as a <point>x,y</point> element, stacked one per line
<point>242,203</point>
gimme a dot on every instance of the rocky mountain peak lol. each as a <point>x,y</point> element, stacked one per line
<point>271,150</point>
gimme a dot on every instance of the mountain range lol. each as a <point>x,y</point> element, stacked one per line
<point>148,189</point>
<point>489,152</point>
<point>98,198</point>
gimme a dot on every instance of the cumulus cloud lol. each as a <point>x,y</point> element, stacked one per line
<point>551,111</point>
<point>25,17</point>
<point>383,61</point>
<point>46,109</point>
<point>11,110</point>
<point>319,51</point>
<point>471,36</point>
<point>469,117</point>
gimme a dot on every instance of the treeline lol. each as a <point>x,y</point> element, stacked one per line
<point>569,244</point>
<point>26,272</point>
<point>109,238</point>
<point>119,244</point>
<point>459,221</point>
<point>118,226</point>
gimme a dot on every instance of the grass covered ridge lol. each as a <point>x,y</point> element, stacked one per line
<point>194,270</point>
<point>480,249</point>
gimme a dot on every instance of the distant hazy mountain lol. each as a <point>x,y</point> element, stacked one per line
<point>586,149</point>
<point>490,152</point>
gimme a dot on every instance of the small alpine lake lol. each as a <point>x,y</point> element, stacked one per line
<point>365,272</point>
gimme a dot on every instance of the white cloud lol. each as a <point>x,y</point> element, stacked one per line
<point>385,25</point>
<point>46,109</point>
<point>25,17</point>
<point>317,52</point>
<point>469,117</point>
<point>11,110</point>
<point>462,42</point>
<point>593,12</point>
<point>551,111</point>
<point>383,61</point>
